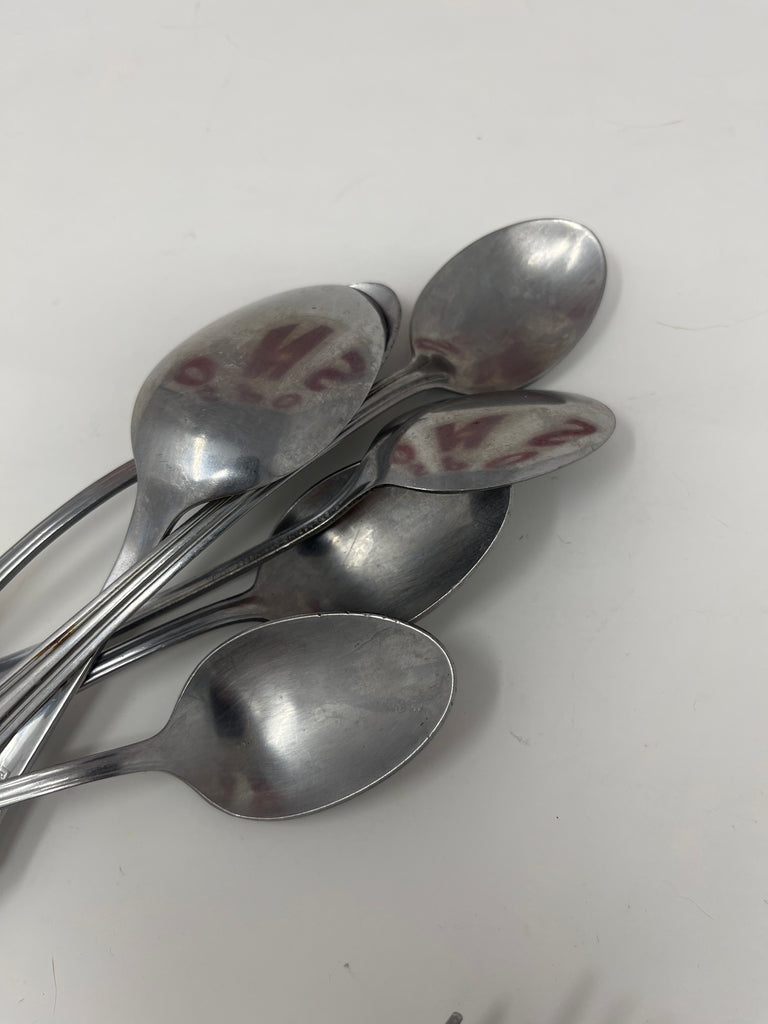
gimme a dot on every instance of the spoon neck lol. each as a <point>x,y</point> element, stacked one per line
<point>421,374</point>
<point>229,611</point>
<point>71,512</point>
<point>154,512</point>
<point>136,757</point>
<point>360,483</point>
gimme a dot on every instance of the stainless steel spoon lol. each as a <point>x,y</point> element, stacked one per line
<point>53,526</point>
<point>288,718</point>
<point>396,552</point>
<point>495,317</point>
<point>247,401</point>
<point>504,310</point>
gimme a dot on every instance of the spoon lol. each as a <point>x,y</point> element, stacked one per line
<point>472,443</point>
<point>245,402</point>
<point>504,310</point>
<point>466,444</point>
<point>396,553</point>
<point>386,304</point>
<point>495,317</point>
<point>291,717</point>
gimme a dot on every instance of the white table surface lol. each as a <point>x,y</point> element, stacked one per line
<point>586,841</point>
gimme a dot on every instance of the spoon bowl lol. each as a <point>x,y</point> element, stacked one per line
<point>289,718</point>
<point>395,553</point>
<point>510,306</point>
<point>248,400</point>
<point>502,311</point>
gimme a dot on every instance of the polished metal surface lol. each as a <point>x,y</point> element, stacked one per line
<point>461,444</point>
<point>396,553</point>
<point>386,305</point>
<point>521,435</point>
<point>504,310</point>
<point>492,440</point>
<point>559,245</point>
<point>389,307</point>
<point>465,444</point>
<point>248,400</point>
<point>288,718</point>
<point>59,521</point>
<point>510,306</point>
<point>495,317</point>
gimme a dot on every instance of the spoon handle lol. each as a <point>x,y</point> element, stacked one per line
<point>419,375</point>
<point>135,757</point>
<point>72,646</point>
<point>75,644</point>
<point>200,585</point>
<point>228,612</point>
<point>174,597</point>
<point>17,755</point>
<point>169,599</point>
<point>71,512</point>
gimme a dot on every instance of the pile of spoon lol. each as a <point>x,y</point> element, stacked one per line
<point>340,688</point>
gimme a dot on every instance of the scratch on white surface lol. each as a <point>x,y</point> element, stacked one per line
<point>715,326</point>
<point>627,126</point>
<point>55,987</point>
<point>722,522</point>
<point>697,905</point>
<point>689,327</point>
<point>520,739</point>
